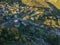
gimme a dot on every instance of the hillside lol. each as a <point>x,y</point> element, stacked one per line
<point>56,3</point>
<point>37,3</point>
<point>42,3</point>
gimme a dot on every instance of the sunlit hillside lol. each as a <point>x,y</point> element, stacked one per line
<point>37,3</point>
<point>56,3</point>
<point>41,3</point>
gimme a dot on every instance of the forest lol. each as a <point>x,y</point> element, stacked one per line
<point>29,22</point>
